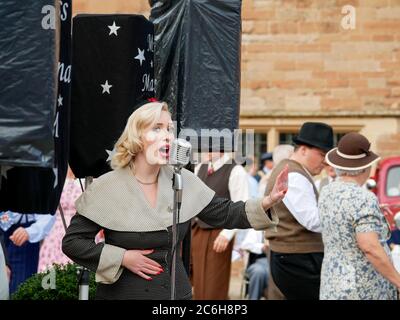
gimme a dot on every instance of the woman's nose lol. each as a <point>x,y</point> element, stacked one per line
<point>168,135</point>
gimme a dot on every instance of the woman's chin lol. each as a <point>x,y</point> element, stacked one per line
<point>156,161</point>
<point>158,158</point>
<point>164,160</point>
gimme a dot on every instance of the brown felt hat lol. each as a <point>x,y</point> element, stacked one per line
<point>352,153</point>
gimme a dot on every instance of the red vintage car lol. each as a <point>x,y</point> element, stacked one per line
<point>386,185</point>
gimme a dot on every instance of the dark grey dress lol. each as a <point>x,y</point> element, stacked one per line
<point>79,245</point>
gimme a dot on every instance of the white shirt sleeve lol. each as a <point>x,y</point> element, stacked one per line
<point>239,190</point>
<point>301,202</point>
<point>41,228</point>
<point>253,242</point>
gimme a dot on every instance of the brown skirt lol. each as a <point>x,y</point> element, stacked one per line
<point>210,270</point>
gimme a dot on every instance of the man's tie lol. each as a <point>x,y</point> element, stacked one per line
<point>210,170</point>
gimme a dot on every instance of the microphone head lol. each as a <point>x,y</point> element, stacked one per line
<point>180,152</point>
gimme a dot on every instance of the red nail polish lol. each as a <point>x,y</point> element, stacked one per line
<point>149,279</point>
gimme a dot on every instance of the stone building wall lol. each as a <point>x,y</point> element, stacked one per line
<point>301,62</point>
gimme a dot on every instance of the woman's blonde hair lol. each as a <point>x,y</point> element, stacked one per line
<point>130,143</point>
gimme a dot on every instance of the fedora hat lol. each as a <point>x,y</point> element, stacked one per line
<point>315,134</point>
<point>266,156</point>
<point>352,153</point>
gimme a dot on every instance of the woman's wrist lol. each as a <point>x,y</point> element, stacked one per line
<point>267,202</point>
<point>123,262</point>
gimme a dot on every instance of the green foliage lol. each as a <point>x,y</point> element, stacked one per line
<point>66,285</point>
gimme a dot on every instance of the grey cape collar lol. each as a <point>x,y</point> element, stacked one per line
<point>115,201</point>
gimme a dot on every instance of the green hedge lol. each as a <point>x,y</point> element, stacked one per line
<point>66,285</point>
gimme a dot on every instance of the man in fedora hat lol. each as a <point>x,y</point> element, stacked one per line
<point>296,246</point>
<point>266,165</point>
<point>267,162</point>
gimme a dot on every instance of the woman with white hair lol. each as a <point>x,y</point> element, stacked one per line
<point>356,262</point>
<point>133,205</point>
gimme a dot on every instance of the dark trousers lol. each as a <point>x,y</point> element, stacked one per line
<point>23,260</point>
<point>297,275</point>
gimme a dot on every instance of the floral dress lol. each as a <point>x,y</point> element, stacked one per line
<point>50,251</point>
<point>347,209</point>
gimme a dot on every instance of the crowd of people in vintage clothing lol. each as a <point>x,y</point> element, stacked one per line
<point>302,235</point>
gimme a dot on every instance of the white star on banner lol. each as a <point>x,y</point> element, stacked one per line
<point>110,154</point>
<point>55,172</point>
<point>60,100</point>
<point>3,172</point>
<point>106,87</point>
<point>140,56</point>
<point>113,29</point>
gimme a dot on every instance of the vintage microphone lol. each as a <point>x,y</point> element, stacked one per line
<point>179,157</point>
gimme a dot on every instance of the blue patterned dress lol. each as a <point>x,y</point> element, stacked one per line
<point>347,209</point>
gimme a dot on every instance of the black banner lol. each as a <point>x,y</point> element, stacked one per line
<point>197,65</point>
<point>38,190</point>
<point>28,86</point>
<point>113,72</point>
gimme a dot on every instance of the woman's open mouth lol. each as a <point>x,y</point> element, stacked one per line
<point>164,151</point>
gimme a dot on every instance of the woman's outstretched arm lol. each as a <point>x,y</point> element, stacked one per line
<point>254,213</point>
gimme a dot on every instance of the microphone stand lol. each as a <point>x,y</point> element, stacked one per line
<point>177,186</point>
<point>186,242</point>
<point>83,282</point>
<point>83,273</point>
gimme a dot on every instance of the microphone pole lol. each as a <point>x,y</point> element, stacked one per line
<point>179,157</point>
<point>177,186</point>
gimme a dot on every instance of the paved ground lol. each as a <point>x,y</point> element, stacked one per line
<point>236,280</point>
